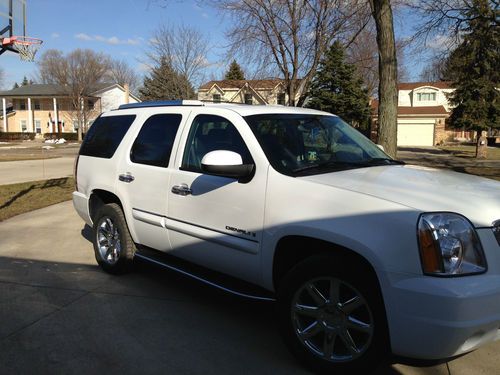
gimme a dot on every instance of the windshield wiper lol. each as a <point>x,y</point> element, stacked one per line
<point>328,164</point>
<point>383,161</point>
<point>342,164</point>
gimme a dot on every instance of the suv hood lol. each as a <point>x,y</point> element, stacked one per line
<point>424,189</point>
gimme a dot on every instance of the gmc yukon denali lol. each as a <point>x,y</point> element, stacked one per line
<point>366,257</point>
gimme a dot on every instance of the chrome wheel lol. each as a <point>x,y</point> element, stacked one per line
<point>332,319</point>
<point>108,241</point>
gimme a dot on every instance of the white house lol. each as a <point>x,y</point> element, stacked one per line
<point>47,108</point>
<point>422,113</point>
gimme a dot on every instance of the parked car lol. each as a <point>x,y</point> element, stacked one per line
<point>365,256</point>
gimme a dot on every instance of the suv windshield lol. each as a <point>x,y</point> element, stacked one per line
<point>298,145</point>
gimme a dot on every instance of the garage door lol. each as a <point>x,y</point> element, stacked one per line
<point>415,134</point>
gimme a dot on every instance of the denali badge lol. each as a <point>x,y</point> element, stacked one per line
<point>241,231</point>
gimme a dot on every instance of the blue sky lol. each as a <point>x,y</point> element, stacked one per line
<point>120,28</point>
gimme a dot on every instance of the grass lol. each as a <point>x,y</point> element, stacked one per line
<point>463,151</point>
<point>16,199</point>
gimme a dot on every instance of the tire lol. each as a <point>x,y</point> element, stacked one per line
<point>332,317</point>
<point>113,246</point>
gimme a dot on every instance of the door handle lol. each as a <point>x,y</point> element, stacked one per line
<point>181,189</point>
<point>126,177</point>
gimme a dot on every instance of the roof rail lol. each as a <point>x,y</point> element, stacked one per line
<point>162,103</point>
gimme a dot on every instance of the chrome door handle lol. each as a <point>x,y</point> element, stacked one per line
<point>126,177</point>
<point>181,189</point>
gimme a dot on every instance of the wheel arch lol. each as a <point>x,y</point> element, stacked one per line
<point>292,249</point>
<point>100,197</point>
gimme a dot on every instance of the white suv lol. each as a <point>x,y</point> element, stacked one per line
<point>364,255</point>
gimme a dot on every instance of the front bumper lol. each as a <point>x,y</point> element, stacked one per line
<point>434,318</point>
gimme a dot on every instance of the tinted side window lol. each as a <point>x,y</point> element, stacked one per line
<point>105,135</point>
<point>154,143</point>
<point>209,133</point>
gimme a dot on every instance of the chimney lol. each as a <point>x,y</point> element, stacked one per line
<point>127,93</point>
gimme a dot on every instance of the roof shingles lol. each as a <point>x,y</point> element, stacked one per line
<point>256,84</point>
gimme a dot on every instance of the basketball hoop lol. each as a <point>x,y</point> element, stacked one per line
<point>27,47</point>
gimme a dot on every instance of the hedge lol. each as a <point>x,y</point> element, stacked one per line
<point>16,136</point>
<point>66,136</point>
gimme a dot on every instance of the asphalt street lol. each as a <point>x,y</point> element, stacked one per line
<point>60,314</point>
<point>12,172</point>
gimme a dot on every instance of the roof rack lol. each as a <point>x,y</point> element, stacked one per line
<point>163,103</point>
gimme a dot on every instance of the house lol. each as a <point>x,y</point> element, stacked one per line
<point>47,108</point>
<point>423,110</point>
<point>256,91</point>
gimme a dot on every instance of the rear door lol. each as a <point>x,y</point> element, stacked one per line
<point>218,221</point>
<point>144,174</point>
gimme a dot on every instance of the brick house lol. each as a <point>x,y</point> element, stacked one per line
<point>423,110</point>
<point>258,91</point>
<point>47,108</point>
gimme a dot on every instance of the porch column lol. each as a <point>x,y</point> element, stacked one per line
<point>30,117</point>
<point>55,126</point>
<point>4,103</point>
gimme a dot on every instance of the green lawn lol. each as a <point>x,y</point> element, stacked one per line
<point>16,199</point>
<point>470,151</point>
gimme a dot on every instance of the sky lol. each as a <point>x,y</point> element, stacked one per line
<point>123,28</point>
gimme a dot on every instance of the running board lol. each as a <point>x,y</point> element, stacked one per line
<point>206,276</point>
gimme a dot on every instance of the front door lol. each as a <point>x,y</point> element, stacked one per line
<point>144,176</point>
<point>217,221</point>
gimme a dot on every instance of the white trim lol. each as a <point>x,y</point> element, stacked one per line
<point>55,126</point>
<point>30,117</point>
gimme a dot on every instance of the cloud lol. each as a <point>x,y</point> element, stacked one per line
<point>143,67</point>
<point>55,35</point>
<point>83,36</point>
<point>441,42</point>
<point>113,40</point>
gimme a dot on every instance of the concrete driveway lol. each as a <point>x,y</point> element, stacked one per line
<point>60,314</point>
<point>12,172</point>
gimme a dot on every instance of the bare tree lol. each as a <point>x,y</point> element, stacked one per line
<point>388,92</point>
<point>363,52</point>
<point>446,19</point>
<point>185,49</point>
<point>120,72</point>
<point>292,35</point>
<point>78,72</point>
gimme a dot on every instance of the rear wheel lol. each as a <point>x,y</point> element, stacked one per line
<point>332,316</point>
<point>113,246</point>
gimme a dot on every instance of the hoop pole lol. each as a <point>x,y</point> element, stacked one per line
<point>10,17</point>
<point>24,18</point>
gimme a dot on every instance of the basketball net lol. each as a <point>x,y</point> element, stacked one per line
<point>27,47</point>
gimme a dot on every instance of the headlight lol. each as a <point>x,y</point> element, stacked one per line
<point>449,245</point>
<point>496,230</point>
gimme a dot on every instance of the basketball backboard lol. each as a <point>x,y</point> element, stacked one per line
<point>13,30</point>
<point>12,21</point>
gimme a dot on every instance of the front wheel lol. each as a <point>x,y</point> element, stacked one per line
<point>113,246</point>
<point>332,316</point>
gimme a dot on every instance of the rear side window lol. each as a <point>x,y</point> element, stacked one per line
<point>153,145</point>
<point>105,135</point>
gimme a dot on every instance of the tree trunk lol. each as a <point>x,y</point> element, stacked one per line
<point>387,65</point>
